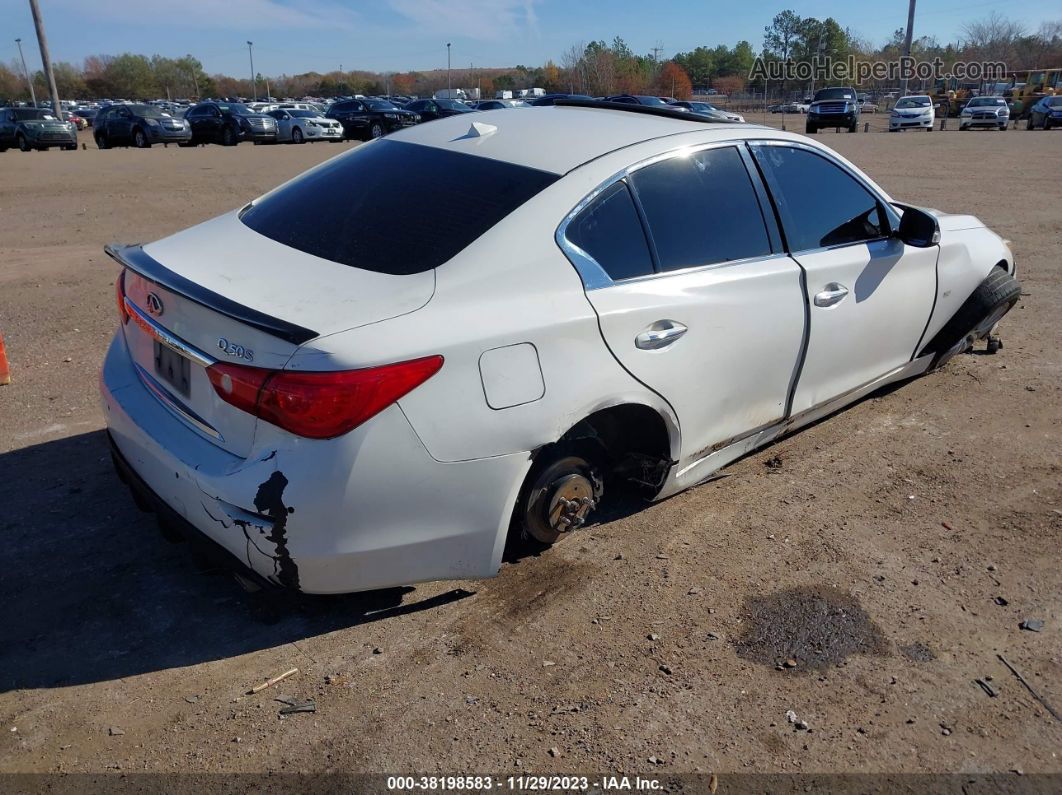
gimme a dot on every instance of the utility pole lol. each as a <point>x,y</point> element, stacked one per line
<point>907,42</point>
<point>46,59</point>
<point>33,94</point>
<point>448,88</point>
<point>254,82</point>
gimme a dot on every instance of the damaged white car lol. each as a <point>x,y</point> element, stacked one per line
<point>459,337</point>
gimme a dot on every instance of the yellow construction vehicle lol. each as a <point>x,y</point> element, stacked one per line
<point>1028,86</point>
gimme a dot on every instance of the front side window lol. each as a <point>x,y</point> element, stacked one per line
<point>701,209</point>
<point>610,232</point>
<point>821,205</point>
<point>394,207</point>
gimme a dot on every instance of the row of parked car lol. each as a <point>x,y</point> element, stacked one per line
<point>228,123</point>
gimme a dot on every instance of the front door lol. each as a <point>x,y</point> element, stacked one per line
<point>869,295</point>
<point>699,303</point>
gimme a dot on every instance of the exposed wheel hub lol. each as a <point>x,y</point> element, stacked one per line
<point>572,498</point>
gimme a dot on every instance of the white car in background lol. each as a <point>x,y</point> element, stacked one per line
<point>469,333</point>
<point>988,112</point>
<point>300,126</point>
<point>914,112</point>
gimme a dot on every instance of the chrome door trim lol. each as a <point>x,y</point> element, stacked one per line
<point>596,277</point>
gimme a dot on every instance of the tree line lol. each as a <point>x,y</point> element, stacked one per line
<point>596,68</point>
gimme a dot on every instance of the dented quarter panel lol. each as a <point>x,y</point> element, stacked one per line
<point>967,256</point>
<point>321,517</point>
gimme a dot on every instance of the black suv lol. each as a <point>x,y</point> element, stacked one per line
<point>137,125</point>
<point>370,118</point>
<point>35,128</point>
<point>637,99</point>
<point>228,123</point>
<point>431,109</point>
<point>833,107</point>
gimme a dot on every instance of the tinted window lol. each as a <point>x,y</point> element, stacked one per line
<point>394,207</point>
<point>379,104</point>
<point>834,93</point>
<point>821,205</point>
<point>29,114</point>
<point>701,209</point>
<point>610,231</point>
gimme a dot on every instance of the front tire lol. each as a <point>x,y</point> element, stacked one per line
<point>376,130</point>
<point>978,315</point>
<point>228,137</point>
<point>296,136</point>
<point>1029,124</point>
<point>561,491</point>
<point>101,141</point>
<point>810,129</point>
<point>23,144</point>
<point>140,139</point>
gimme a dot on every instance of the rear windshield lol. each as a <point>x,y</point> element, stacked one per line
<point>393,207</point>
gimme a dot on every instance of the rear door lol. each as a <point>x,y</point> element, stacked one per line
<point>119,125</point>
<point>700,303</point>
<point>869,294</point>
<point>7,127</point>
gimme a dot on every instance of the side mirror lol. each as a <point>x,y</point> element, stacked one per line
<point>918,227</point>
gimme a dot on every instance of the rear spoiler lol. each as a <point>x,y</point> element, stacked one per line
<point>134,258</point>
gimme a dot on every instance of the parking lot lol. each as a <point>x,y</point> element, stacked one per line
<point>903,540</point>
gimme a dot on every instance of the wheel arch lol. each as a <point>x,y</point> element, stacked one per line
<point>639,442</point>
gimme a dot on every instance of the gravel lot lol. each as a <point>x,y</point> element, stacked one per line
<point>895,547</point>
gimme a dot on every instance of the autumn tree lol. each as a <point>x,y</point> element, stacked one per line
<point>673,81</point>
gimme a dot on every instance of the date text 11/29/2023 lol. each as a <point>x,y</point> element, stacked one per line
<point>528,783</point>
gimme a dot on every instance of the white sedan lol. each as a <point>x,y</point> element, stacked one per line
<point>467,335</point>
<point>915,112</point>
<point>299,126</point>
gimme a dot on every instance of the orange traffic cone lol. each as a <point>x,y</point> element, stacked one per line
<point>5,371</point>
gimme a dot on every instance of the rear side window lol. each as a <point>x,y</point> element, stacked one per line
<point>701,209</point>
<point>393,207</point>
<point>609,230</point>
<point>821,205</point>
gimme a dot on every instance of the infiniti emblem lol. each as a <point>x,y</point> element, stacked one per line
<point>154,304</point>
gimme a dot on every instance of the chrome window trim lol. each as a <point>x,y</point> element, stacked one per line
<point>594,276</point>
<point>884,201</point>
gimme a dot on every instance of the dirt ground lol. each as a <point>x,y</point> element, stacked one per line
<point>892,550</point>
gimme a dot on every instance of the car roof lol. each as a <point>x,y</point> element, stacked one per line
<point>557,138</point>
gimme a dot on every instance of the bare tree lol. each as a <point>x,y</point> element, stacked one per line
<point>994,38</point>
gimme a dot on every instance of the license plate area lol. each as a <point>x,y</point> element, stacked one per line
<point>173,368</point>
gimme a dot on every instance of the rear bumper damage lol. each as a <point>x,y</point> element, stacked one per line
<point>370,509</point>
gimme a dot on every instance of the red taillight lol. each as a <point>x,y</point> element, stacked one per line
<point>319,405</point>
<point>119,289</point>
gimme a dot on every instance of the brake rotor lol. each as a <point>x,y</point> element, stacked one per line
<point>571,500</point>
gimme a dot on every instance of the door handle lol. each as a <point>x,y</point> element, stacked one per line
<point>659,335</point>
<point>833,294</point>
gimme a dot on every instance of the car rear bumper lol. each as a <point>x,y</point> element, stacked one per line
<point>370,509</point>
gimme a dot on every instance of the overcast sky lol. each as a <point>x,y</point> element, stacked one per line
<point>292,36</point>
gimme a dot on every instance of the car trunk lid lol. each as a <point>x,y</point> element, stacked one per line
<point>221,292</point>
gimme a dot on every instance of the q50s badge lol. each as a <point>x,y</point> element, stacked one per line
<point>232,349</point>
